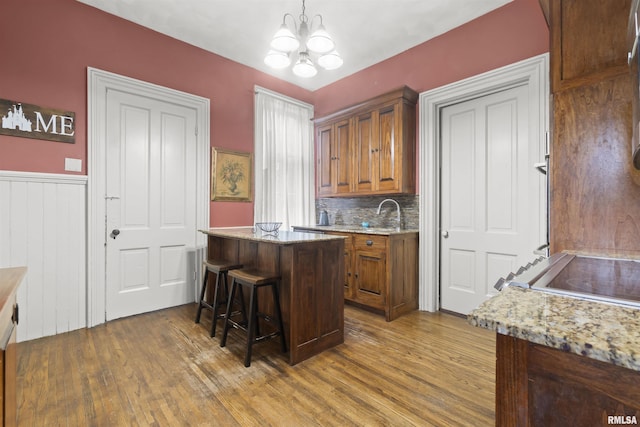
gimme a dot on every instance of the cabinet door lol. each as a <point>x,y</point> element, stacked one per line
<point>370,276</point>
<point>334,158</point>
<point>587,41</point>
<point>325,182</point>
<point>388,150</point>
<point>365,151</point>
<point>342,156</point>
<point>370,270</point>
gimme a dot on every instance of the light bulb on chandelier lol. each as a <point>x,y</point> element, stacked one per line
<point>304,67</point>
<point>285,41</point>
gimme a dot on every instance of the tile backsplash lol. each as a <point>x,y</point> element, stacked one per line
<point>355,210</point>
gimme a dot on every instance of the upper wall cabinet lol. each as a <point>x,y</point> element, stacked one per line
<point>587,41</point>
<point>594,198</point>
<point>369,148</point>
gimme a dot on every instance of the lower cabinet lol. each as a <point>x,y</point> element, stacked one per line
<point>10,279</point>
<point>8,367</point>
<point>381,272</point>
<point>538,385</point>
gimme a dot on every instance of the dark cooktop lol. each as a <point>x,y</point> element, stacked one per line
<point>604,277</point>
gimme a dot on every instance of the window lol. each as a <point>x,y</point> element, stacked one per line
<point>284,165</point>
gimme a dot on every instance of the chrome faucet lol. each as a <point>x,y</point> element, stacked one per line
<point>397,208</point>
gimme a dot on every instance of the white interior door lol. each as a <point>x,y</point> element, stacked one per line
<point>150,203</point>
<point>490,196</point>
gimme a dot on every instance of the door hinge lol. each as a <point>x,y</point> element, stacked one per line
<point>196,131</point>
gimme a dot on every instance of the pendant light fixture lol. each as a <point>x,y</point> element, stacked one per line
<point>318,42</point>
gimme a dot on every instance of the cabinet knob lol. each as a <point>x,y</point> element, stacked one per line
<point>356,275</point>
<point>369,242</point>
<point>16,314</point>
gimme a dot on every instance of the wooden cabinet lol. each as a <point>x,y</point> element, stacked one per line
<point>369,148</point>
<point>633,44</point>
<point>334,158</point>
<point>381,272</point>
<point>10,279</point>
<point>542,386</point>
<point>595,202</point>
<point>587,41</point>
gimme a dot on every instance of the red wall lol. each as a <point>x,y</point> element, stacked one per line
<point>509,34</point>
<point>47,45</point>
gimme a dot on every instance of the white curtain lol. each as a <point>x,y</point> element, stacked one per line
<point>284,162</point>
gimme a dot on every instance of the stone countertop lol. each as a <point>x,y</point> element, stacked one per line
<point>282,238</point>
<point>355,229</point>
<point>10,278</point>
<point>599,330</point>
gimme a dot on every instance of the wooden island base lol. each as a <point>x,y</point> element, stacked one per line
<point>311,289</point>
<point>542,386</point>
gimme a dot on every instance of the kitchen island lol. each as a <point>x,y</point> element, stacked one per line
<point>562,360</point>
<point>311,267</point>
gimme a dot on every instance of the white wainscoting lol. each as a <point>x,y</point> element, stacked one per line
<point>43,226</point>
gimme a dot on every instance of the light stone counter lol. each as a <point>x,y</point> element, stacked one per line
<point>283,237</point>
<point>355,229</point>
<point>598,330</point>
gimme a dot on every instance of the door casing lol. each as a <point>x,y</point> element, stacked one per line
<point>99,83</point>
<point>532,72</point>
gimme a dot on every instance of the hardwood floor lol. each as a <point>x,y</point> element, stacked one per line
<point>162,369</point>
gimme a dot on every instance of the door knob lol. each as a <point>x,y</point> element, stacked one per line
<point>445,234</point>
<point>115,232</point>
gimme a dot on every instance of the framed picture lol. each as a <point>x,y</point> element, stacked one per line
<point>231,175</point>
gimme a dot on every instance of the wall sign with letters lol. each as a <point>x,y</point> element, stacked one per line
<point>32,121</point>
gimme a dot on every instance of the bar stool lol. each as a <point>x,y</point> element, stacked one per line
<point>220,269</point>
<point>252,280</point>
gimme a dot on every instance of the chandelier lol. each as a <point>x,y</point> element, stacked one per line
<point>318,42</point>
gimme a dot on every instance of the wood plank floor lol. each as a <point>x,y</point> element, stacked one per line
<point>162,369</point>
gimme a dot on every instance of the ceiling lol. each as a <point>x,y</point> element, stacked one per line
<point>365,31</point>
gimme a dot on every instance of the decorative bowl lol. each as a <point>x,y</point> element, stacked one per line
<point>269,227</point>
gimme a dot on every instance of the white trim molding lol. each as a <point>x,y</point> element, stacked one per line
<point>532,72</point>
<point>42,177</point>
<point>99,83</point>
